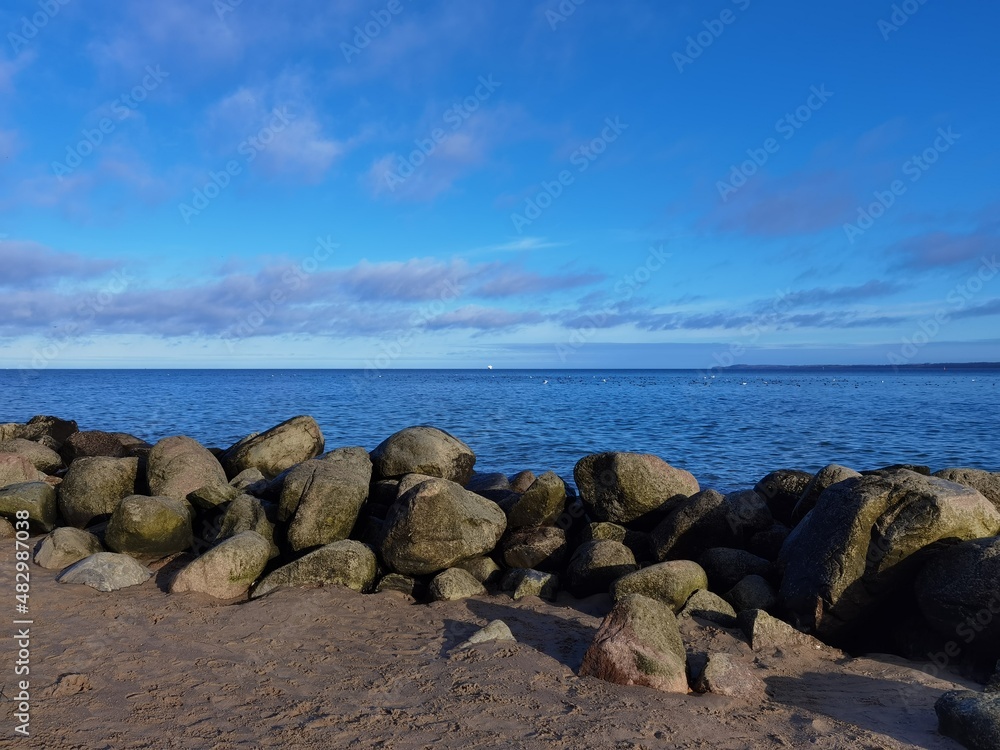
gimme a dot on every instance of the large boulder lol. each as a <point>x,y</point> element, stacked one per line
<point>180,465</point>
<point>541,504</point>
<point>753,592</point>
<point>44,459</point>
<point>824,478</point>
<point>47,428</point>
<point>99,443</point>
<point>93,487</point>
<point>595,565</point>
<point>708,606</point>
<point>483,569</point>
<point>347,563</point>
<point>987,482</point>
<point>726,567</point>
<point>625,487</point>
<point>454,584</point>
<point>971,718</point>
<point>639,643</point>
<point>246,513</point>
<point>861,543</point>
<point>709,519</point>
<point>543,548</point>
<point>149,527</point>
<point>523,582</point>
<point>228,570</point>
<point>18,469</point>
<point>106,571</point>
<point>435,524</point>
<point>781,491</point>
<point>724,674</point>
<point>324,496</point>
<point>65,546</point>
<point>958,592</point>
<point>7,531</point>
<point>277,449</point>
<point>424,450</point>
<point>37,498</point>
<point>670,582</point>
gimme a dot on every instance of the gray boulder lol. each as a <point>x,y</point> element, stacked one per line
<point>44,459</point>
<point>708,606</point>
<point>106,571</point>
<point>483,569</point>
<point>347,563</point>
<point>65,546</point>
<point>496,630</point>
<point>406,585</point>
<point>7,531</point>
<point>149,527</point>
<point>246,513</point>
<point>522,582</point>
<point>709,519</point>
<point>437,523</point>
<point>824,479</point>
<point>753,592</point>
<point>521,481</point>
<point>97,443</point>
<point>767,633</point>
<point>971,718</point>
<point>93,487</point>
<point>543,548</point>
<point>178,466</point>
<point>247,479</point>
<point>44,427</point>
<point>726,567</point>
<point>228,570</point>
<point>593,532</point>
<point>639,643</point>
<point>861,541</point>
<point>424,450</point>
<point>625,487</point>
<point>596,565</point>
<point>276,450</point>
<point>454,584</point>
<point>781,491</point>
<point>18,469</point>
<point>672,583</point>
<point>540,505</point>
<point>37,498</point>
<point>324,496</point>
<point>988,483</point>
<point>724,674</point>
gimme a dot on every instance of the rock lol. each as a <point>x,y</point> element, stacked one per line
<point>43,459</point>
<point>753,592</point>
<point>54,428</point>
<point>521,481</point>
<point>726,567</point>
<point>325,495</point>
<point>493,487</point>
<point>604,530</point>
<point>106,571</point>
<point>437,523</point>
<point>767,633</point>
<point>824,479</point>
<point>97,443</point>
<point>988,483</point>
<point>781,491</point>
<point>724,674</point>
<point>483,569</point>
<point>246,479</point>
<point>993,684</point>
<point>272,452</point>
<point>228,570</point>
<point>149,527</point>
<point>972,719</point>
<point>7,531</point>
<point>395,582</point>
<point>708,606</point>
<point>37,498</point>
<point>178,466</point>
<point>424,450</point>
<point>625,487</point>
<point>212,496</point>
<point>522,582</point>
<point>958,592</point>
<point>496,630</point>
<point>540,505</point>
<point>768,543</point>
<point>861,541</point>
<point>454,584</point>
<point>746,513</point>
<point>639,643</point>
<point>65,546</point>
<point>692,525</point>
<point>641,545</point>
<point>543,548</point>
<point>93,487</point>
<point>596,565</point>
<point>18,469</point>
<point>670,582</point>
<point>246,513</point>
<point>347,563</point>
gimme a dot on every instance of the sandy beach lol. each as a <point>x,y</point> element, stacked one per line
<point>327,667</point>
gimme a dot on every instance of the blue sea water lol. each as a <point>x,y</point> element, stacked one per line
<point>729,430</point>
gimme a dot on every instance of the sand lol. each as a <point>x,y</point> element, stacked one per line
<point>326,667</point>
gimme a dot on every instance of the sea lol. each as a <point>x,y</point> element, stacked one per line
<point>729,428</point>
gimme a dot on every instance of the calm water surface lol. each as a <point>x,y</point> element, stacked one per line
<point>729,430</point>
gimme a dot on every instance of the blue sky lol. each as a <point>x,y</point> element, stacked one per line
<point>522,184</point>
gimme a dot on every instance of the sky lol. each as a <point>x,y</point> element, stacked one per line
<point>516,184</point>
